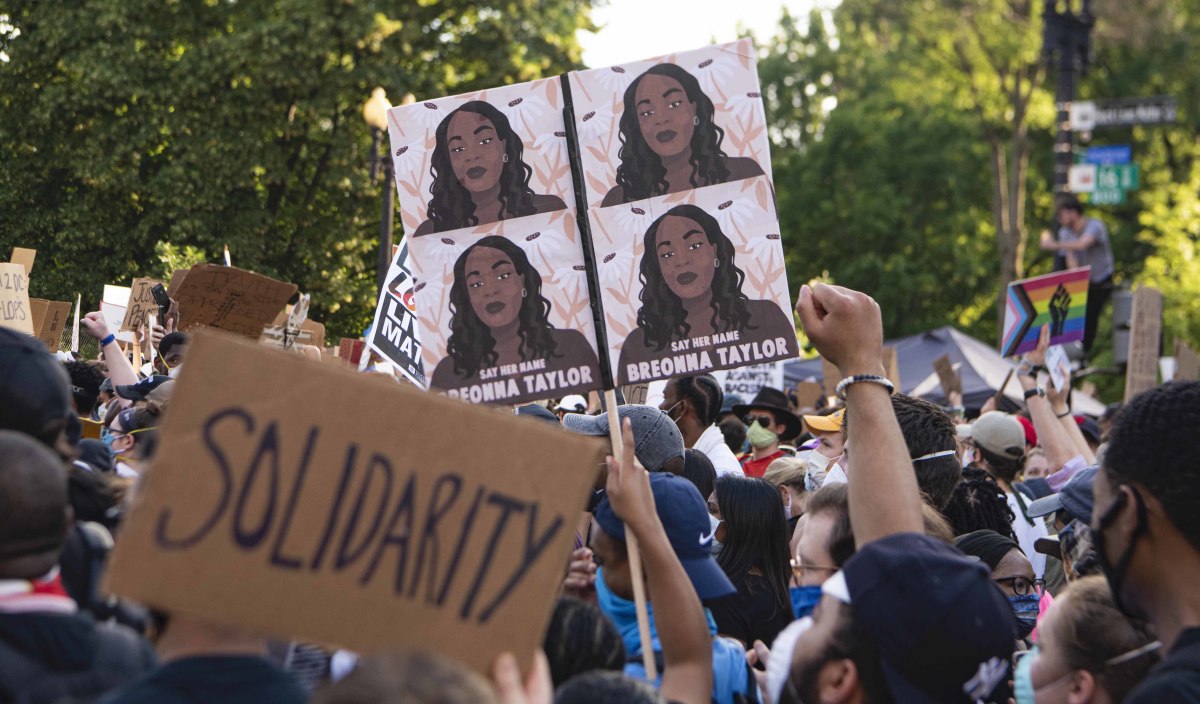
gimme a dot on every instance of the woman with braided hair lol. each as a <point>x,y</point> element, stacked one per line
<point>978,503</point>
<point>694,402</point>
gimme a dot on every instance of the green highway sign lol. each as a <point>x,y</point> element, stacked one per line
<point>1124,177</point>
<point>1107,196</point>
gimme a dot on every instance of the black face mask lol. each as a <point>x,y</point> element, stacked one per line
<point>1115,574</point>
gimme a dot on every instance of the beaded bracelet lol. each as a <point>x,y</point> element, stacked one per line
<point>883,381</point>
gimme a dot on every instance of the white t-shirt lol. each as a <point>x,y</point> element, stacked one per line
<point>712,443</point>
<point>1028,534</point>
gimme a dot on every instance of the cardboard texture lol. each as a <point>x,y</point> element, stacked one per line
<point>831,376</point>
<point>141,304</point>
<point>891,369</point>
<point>1145,333</point>
<point>808,393</point>
<point>1187,365</point>
<point>635,393</point>
<point>177,278</point>
<point>1058,300</point>
<point>230,299</point>
<point>310,332</point>
<point>286,517</point>
<point>948,376</point>
<point>50,318</point>
<point>15,312</point>
<point>24,257</point>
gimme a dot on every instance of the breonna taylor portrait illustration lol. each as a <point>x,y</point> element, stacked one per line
<point>479,176</point>
<point>500,319</point>
<point>692,298</point>
<point>670,141</point>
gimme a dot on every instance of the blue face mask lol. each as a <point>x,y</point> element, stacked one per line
<point>1023,678</point>
<point>106,437</point>
<point>804,600</point>
<point>1025,608</point>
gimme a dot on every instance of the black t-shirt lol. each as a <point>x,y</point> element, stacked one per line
<point>1176,678</point>
<point>752,613</point>
<point>230,679</point>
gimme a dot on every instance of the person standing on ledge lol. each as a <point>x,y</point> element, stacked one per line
<point>1084,242</point>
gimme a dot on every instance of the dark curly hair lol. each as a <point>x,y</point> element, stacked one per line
<point>580,639</point>
<point>452,206</point>
<point>641,173</point>
<point>978,503</point>
<point>471,344</point>
<point>661,315</point>
<point>86,378</point>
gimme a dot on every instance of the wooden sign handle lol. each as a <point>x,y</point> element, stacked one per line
<point>631,544</point>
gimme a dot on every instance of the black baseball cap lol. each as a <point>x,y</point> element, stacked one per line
<point>142,389</point>
<point>35,398</point>
<point>943,630</point>
<point>684,516</point>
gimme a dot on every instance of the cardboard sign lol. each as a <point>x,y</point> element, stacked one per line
<point>15,312</point>
<point>234,300</point>
<point>747,381</point>
<point>635,393</point>
<point>485,188</point>
<point>274,508</point>
<point>177,278</point>
<point>808,394</point>
<point>310,332</point>
<point>1187,365</point>
<point>25,258</point>
<point>891,368</point>
<point>1058,300</point>
<point>394,334</point>
<point>141,304</point>
<point>1145,333</point>
<point>948,376</point>
<point>49,320</point>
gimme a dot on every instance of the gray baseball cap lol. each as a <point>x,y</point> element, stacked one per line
<point>656,439</point>
<point>999,433</point>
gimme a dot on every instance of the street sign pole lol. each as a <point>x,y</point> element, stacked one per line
<point>1067,36</point>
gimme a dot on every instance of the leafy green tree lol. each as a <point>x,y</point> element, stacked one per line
<point>133,125</point>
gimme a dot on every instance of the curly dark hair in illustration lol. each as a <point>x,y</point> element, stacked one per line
<point>661,315</point>
<point>471,344</point>
<point>452,207</point>
<point>641,173</point>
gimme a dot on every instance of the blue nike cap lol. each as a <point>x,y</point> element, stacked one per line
<point>684,516</point>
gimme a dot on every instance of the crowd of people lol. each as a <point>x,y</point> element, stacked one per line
<point>880,549</point>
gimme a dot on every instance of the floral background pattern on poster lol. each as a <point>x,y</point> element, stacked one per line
<point>551,244</point>
<point>725,74</point>
<point>745,213</point>
<point>532,113</point>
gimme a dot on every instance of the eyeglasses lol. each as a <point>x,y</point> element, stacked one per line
<point>799,569</point>
<point>764,421</point>
<point>1023,586</point>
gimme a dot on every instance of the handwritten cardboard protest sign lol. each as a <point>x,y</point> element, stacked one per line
<point>24,257</point>
<point>808,395</point>
<point>50,318</point>
<point>394,334</point>
<point>1145,337</point>
<point>1058,300</point>
<point>1187,365</point>
<point>502,299</point>
<point>891,366</point>
<point>177,278</point>
<point>948,376</point>
<point>271,504</point>
<point>690,261</point>
<point>141,303</point>
<point>14,299</point>
<point>230,299</point>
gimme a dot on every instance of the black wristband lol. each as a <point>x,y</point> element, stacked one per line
<point>1064,414</point>
<point>1039,391</point>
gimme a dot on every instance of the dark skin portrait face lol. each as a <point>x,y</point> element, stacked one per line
<point>493,286</point>
<point>476,151</point>
<point>665,115</point>
<point>685,257</point>
<point>606,554</point>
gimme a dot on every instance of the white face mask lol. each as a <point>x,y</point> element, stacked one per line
<point>779,667</point>
<point>713,523</point>
<point>174,373</point>
<point>787,507</point>
<point>816,467</point>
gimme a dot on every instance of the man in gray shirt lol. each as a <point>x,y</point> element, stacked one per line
<point>1084,242</point>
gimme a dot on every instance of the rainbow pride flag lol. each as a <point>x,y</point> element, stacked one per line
<point>1058,300</point>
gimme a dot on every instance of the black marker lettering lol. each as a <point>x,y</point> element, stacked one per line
<point>404,507</point>
<point>533,550</point>
<point>226,482</point>
<point>336,511</point>
<point>344,558</point>
<point>277,558</point>
<point>268,444</point>
<point>437,509</point>
<point>462,544</point>
<point>507,506</point>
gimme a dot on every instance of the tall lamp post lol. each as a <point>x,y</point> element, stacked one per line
<point>375,115</point>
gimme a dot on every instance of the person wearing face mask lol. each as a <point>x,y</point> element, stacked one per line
<point>129,429</point>
<point>1087,652</point>
<point>754,555</point>
<point>1146,530</point>
<point>788,475</point>
<point>768,420</point>
<point>694,403</point>
<point>826,449</point>
<point>1011,571</point>
<point>171,352</point>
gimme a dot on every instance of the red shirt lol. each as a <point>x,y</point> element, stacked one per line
<point>757,468</point>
